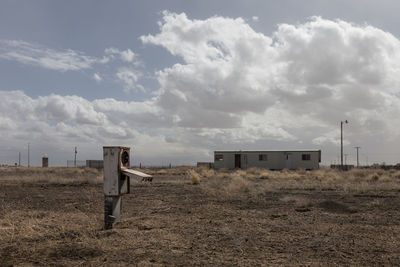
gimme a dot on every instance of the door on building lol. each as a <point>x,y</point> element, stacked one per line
<point>238,163</point>
<point>288,161</point>
<point>244,164</point>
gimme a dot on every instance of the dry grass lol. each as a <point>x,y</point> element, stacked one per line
<point>70,232</point>
<point>356,180</point>
<point>228,214</point>
<point>167,171</point>
<point>57,175</point>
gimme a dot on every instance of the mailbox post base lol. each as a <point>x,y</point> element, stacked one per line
<point>112,211</point>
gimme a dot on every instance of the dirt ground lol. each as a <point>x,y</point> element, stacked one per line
<point>220,222</point>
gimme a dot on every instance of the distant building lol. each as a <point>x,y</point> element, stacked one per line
<point>97,164</point>
<point>208,165</point>
<point>269,159</point>
<point>45,161</point>
<point>345,167</point>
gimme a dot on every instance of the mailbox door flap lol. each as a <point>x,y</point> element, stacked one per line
<point>140,176</point>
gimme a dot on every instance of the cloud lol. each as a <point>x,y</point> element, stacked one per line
<point>6,124</point>
<point>224,75</point>
<point>129,78</point>
<point>73,109</point>
<point>234,88</point>
<point>34,54</point>
<point>325,70</point>
<point>128,75</point>
<point>255,18</point>
<point>125,55</point>
<point>58,122</point>
<point>70,60</point>
<point>97,77</point>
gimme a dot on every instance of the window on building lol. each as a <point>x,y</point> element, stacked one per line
<point>219,157</point>
<point>262,157</point>
<point>305,157</point>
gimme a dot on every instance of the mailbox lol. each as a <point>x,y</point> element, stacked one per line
<point>117,174</point>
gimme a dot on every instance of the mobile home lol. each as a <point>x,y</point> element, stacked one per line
<point>270,159</point>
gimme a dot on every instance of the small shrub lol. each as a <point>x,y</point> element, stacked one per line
<point>254,171</point>
<point>162,172</point>
<point>194,176</point>
<point>294,175</point>
<point>205,172</point>
<point>385,179</point>
<point>237,185</point>
<point>396,175</point>
<point>266,175</point>
<point>359,173</point>
<point>319,175</point>
<point>373,177</point>
<point>240,173</point>
<point>302,171</point>
<point>221,175</point>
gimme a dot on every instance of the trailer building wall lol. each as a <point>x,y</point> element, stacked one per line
<point>274,160</point>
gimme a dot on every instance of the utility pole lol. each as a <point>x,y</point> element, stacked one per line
<point>341,143</point>
<point>76,151</point>
<point>19,159</point>
<point>357,148</point>
<point>28,156</point>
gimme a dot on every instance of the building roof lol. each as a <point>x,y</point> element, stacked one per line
<point>267,151</point>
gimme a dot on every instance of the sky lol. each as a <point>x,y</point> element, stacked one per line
<point>176,80</point>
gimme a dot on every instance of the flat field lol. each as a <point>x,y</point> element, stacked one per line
<point>187,217</point>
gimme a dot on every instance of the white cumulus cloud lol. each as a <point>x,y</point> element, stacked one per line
<point>55,123</point>
<point>313,75</point>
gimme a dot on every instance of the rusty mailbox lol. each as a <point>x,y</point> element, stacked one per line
<point>117,174</point>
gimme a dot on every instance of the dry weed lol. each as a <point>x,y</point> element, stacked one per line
<point>238,185</point>
<point>385,179</point>
<point>396,175</point>
<point>194,176</point>
<point>319,175</point>
<point>206,172</point>
<point>266,175</point>
<point>373,177</point>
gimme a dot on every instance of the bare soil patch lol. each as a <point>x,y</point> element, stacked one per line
<point>247,218</point>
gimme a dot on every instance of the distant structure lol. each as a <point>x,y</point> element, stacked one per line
<point>268,159</point>
<point>76,163</point>
<point>208,165</point>
<point>45,161</point>
<point>97,164</point>
<point>345,167</point>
